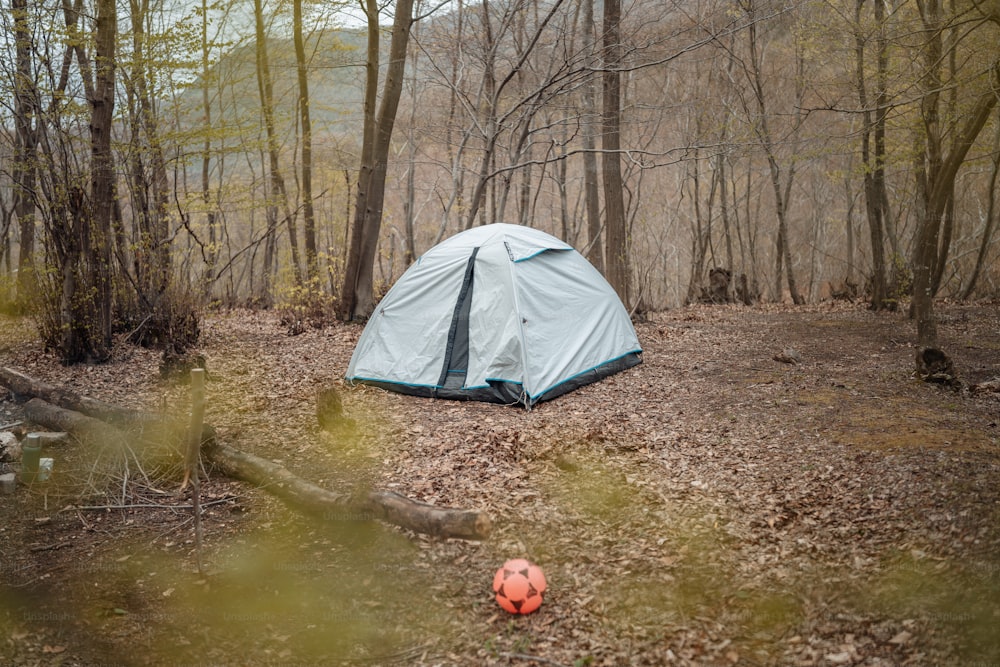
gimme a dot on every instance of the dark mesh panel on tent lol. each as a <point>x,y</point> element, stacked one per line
<point>456,357</point>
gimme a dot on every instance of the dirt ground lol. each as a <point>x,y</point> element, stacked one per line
<point>712,506</point>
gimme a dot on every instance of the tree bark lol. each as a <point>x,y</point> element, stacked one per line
<point>616,236</point>
<point>149,191</point>
<point>783,253</point>
<point>595,249</point>
<point>720,172</point>
<point>700,233</point>
<point>357,298</point>
<point>102,186</point>
<point>23,167</point>
<point>410,200</point>
<point>386,119</point>
<point>212,251</point>
<point>278,195</point>
<point>936,172</point>
<point>348,290</point>
<point>308,215</point>
<point>488,96</point>
<point>874,166</point>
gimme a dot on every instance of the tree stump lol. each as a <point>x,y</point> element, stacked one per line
<point>718,286</point>
<point>178,365</point>
<point>330,411</point>
<point>746,295</point>
<point>933,365</point>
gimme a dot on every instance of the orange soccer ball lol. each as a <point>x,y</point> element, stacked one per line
<point>519,585</point>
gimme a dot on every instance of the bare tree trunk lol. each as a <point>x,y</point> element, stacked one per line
<point>264,294</point>
<point>455,156</point>
<point>102,183</point>
<point>6,218</point>
<point>490,131</point>
<point>931,210</point>
<point>69,245</point>
<point>991,218</point>
<point>614,202</point>
<point>752,228</point>
<point>944,244</point>
<point>879,190</point>
<point>308,215</point>
<point>570,228</point>
<point>524,192</point>
<point>391,92</point>
<point>720,174</point>
<point>493,124</point>
<point>409,202</point>
<point>873,166</point>
<point>700,232</point>
<point>951,106</point>
<point>783,254</point>
<point>24,161</point>
<point>595,252</point>
<point>936,172</point>
<point>852,252</point>
<point>149,191</point>
<point>212,251</point>
<point>347,305</point>
<point>361,283</point>
<point>265,89</point>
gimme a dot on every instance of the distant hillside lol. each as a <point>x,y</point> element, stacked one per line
<point>336,85</point>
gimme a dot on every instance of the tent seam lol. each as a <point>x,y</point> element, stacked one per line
<point>520,327</point>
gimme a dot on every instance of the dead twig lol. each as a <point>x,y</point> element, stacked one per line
<point>49,547</point>
<point>131,506</point>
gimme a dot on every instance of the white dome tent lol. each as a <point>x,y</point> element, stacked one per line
<point>500,313</point>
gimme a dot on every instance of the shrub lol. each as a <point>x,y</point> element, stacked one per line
<point>306,305</point>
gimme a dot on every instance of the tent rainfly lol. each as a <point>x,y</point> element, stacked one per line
<point>500,313</point>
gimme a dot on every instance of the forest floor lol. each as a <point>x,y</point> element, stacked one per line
<point>712,506</point>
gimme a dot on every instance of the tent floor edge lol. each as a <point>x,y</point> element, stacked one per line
<point>499,392</point>
<point>591,376</point>
<point>508,393</point>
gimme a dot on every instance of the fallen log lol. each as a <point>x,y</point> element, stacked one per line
<point>385,505</point>
<point>25,387</point>
<point>988,385</point>
<point>40,411</point>
<point>151,426</point>
<point>399,510</point>
<point>276,479</point>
